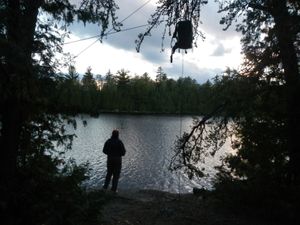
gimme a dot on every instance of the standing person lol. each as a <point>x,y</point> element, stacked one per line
<point>114,149</point>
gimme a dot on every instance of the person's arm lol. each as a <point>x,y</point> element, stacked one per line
<point>123,150</point>
<point>105,148</point>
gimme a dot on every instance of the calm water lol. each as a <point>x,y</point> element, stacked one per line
<point>148,140</point>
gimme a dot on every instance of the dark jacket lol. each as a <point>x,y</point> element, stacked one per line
<point>114,148</point>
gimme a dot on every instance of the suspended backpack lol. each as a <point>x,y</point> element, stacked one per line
<point>184,36</point>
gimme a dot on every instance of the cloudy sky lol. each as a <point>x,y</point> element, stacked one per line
<point>219,50</point>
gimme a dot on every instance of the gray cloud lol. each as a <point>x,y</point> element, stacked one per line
<point>211,22</point>
<point>151,47</point>
<point>220,50</point>
<point>125,40</point>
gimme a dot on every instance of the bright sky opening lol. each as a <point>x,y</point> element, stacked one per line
<point>219,50</point>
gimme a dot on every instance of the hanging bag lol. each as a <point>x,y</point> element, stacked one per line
<point>184,36</point>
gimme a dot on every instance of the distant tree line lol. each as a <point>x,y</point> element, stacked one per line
<point>122,93</point>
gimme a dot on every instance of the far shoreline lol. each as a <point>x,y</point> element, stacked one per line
<point>139,113</point>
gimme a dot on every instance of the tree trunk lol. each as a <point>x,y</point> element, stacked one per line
<point>10,133</point>
<point>17,90</point>
<point>286,40</point>
<point>18,77</point>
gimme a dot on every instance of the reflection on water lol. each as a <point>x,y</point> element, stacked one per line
<point>148,140</point>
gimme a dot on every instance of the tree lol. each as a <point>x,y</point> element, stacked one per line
<point>88,79</point>
<point>109,78</point>
<point>89,92</point>
<point>161,76</point>
<point>270,41</point>
<point>169,13</point>
<point>31,33</point>
<point>68,92</point>
<point>109,92</point>
<point>72,75</point>
<point>122,79</point>
<point>271,45</point>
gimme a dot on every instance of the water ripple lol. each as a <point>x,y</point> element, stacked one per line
<point>148,140</point>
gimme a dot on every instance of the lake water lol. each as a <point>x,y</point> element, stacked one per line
<point>149,141</point>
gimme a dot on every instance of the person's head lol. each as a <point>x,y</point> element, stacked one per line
<point>115,134</point>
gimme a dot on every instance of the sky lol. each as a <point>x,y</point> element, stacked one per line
<point>219,50</point>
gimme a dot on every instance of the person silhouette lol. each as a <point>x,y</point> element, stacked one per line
<point>114,149</point>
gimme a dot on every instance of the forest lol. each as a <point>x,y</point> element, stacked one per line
<point>130,94</point>
<point>257,107</point>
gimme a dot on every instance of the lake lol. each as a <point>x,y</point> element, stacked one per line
<point>149,141</point>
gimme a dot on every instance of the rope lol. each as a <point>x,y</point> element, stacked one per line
<point>98,38</point>
<point>180,123</point>
<point>135,11</point>
<point>106,34</point>
<point>83,39</point>
<point>127,29</point>
<point>182,74</point>
<point>86,48</point>
<point>109,32</point>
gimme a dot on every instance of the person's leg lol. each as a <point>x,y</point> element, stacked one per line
<point>108,174</point>
<point>116,175</point>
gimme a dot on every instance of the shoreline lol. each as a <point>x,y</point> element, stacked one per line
<point>142,113</point>
<point>148,207</point>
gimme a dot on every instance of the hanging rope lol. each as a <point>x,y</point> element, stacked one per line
<point>180,103</point>
<point>180,115</point>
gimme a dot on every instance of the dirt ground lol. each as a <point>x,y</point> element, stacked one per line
<point>149,207</point>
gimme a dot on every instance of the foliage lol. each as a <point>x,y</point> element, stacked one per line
<point>257,108</point>
<point>251,114</point>
<point>169,13</point>
<point>36,186</point>
<point>88,79</point>
<point>141,94</point>
<point>261,100</point>
<point>270,41</point>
